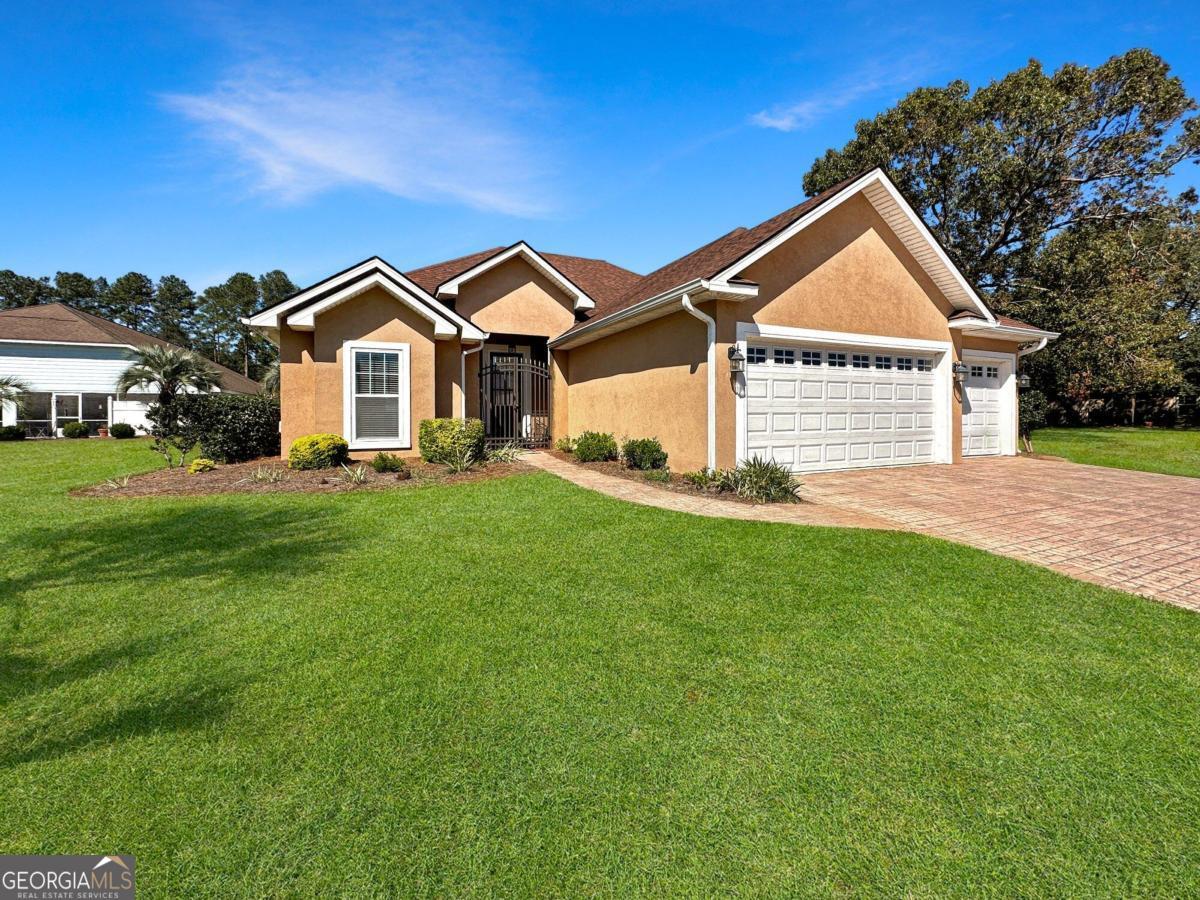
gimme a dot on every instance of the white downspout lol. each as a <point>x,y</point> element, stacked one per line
<point>463,379</point>
<point>1032,348</point>
<point>711,326</point>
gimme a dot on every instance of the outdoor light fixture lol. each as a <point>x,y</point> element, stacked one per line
<point>737,360</point>
<point>1022,381</point>
<point>960,371</point>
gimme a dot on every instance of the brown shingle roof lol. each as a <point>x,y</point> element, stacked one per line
<point>713,257</point>
<point>599,279</point>
<point>64,324</point>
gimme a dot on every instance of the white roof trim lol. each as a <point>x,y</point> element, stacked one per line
<point>581,299</point>
<point>273,317</point>
<point>305,319</point>
<point>906,225</point>
<point>700,290</point>
<point>976,328</point>
<point>68,343</point>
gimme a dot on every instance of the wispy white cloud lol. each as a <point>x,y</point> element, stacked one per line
<point>411,110</point>
<point>874,78</point>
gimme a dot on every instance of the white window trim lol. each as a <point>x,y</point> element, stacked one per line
<point>943,410</point>
<point>404,440</point>
<point>1008,392</point>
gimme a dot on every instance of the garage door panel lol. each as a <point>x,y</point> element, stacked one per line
<point>983,416</point>
<point>810,415</point>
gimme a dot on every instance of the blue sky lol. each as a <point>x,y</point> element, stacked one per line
<point>203,139</point>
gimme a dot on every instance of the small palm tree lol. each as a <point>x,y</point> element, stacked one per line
<point>270,380</point>
<point>171,370</point>
<point>12,390</point>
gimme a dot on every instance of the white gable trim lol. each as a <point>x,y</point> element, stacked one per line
<point>904,222</point>
<point>305,319</point>
<point>581,300</point>
<point>273,317</point>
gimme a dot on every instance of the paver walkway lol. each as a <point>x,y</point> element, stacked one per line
<point>1135,531</point>
<point>651,495</point>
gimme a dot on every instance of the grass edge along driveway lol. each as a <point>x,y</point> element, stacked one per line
<point>1163,450</point>
<point>520,687</point>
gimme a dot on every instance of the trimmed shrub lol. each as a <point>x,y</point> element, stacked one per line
<point>644,453</point>
<point>229,427</point>
<point>1032,413</point>
<point>705,479</point>
<point>661,476</point>
<point>122,431</point>
<point>12,433</point>
<point>451,441</point>
<point>595,446</point>
<point>388,462</point>
<point>565,444</point>
<point>200,464</point>
<point>318,451</point>
<point>75,430</point>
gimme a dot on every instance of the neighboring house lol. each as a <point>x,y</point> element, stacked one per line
<point>71,361</point>
<point>837,334</point>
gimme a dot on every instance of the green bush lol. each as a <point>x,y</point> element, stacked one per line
<point>661,476</point>
<point>200,464</point>
<point>565,444</point>
<point>229,427</point>
<point>75,430</point>
<point>644,453</point>
<point>451,441</point>
<point>705,479</point>
<point>12,433</point>
<point>122,430</point>
<point>388,462</point>
<point>1032,408</point>
<point>595,446</point>
<point>763,481</point>
<point>318,451</point>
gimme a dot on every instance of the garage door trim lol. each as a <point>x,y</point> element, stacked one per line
<point>1008,394</point>
<point>943,376</point>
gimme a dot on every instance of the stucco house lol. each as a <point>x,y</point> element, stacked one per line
<point>71,360</point>
<point>836,334</point>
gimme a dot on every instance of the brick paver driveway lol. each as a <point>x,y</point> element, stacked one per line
<point>1135,531</point>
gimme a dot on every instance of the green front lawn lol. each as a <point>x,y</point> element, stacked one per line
<point>1145,449</point>
<point>516,687</point>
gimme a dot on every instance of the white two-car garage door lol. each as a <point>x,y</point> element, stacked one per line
<point>839,407</point>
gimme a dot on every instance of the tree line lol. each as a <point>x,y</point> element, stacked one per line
<point>208,322</point>
<point>1050,192</point>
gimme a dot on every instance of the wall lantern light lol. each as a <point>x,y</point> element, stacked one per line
<point>1022,381</point>
<point>737,360</point>
<point>960,371</point>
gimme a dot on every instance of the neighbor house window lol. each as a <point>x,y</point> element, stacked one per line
<point>378,402</point>
<point>785,357</point>
<point>837,360</point>
<point>810,357</point>
<point>756,354</point>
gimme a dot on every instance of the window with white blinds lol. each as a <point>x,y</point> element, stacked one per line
<point>378,401</point>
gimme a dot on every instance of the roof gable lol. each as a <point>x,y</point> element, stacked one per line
<point>579,297</point>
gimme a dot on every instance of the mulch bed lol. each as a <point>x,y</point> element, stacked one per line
<point>678,483</point>
<point>237,478</point>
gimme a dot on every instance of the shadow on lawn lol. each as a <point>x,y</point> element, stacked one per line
<point>146,544</point>
<point>169,551</point>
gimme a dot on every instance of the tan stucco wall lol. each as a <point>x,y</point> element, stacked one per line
<point>311,382</point>
<point>650,381</point>
<point>515,298</point>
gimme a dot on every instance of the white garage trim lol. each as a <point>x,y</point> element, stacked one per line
<point>943,376</point>
<point>1008,394</point>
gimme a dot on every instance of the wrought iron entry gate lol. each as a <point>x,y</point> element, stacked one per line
<point>514,402</point>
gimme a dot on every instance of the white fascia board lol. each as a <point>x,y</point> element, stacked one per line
<point>273,317</point>
<point>747,330</point>
<point>880,184</point>
<point>305,319</point>
<point>699,289</point>
<point>1003,332</point>
<point>578,296</point>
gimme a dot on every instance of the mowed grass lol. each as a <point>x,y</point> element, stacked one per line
<point>1145,449</point>
<point>517,687</point>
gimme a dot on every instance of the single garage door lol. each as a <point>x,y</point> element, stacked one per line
<point>819,408</point>
<point>981,415</point>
